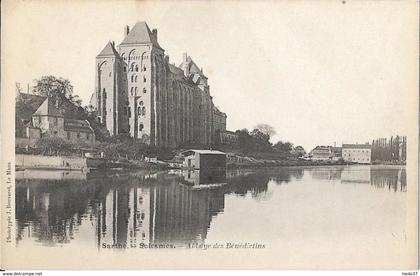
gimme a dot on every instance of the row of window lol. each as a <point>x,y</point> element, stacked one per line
<point>141,111</point>
<point>367,151</point>
<point>133,68</point>
<point>134,90</point>
<point>348,154</point>
<point>134,57</point>
<point>134,78</point>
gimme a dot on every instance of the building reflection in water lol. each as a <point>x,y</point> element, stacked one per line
<point>393,178</point>
<point>126,209</point>
<point>159,208</point>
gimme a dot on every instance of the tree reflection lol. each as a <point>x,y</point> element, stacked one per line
<point>155,208</point>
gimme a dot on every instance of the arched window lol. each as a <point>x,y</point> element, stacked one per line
<point>144,68</point>
<point>141,126</point>
<point>135,79</point>
<point>137,68</point>
<point>135,90</point>
<point>132,78</point>
<point>141,103</point>
<point>132,90</point>
<point>143,111</point>
<point>144,90</point>
<point>139,110</point>
<point>144,79</point>
<point>134,67</point>
<point>103,90</point>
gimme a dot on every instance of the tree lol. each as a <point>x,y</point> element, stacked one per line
<point>261,141</point>
<point>54,88</point>
<point>60,92</point>
<point>245,142</point>
<point>266,129</point>
<point>299,151</point>
<point>284,147</point>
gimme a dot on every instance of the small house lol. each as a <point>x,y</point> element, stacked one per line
<point>204,159</point>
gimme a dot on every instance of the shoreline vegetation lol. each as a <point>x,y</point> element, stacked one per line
<point>157,165</point>
<point>252,148</point>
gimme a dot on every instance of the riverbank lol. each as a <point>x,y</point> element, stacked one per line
<point>285,163</point>
<point>25,161</point>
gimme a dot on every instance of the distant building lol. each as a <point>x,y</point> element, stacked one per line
<point>357,153</point>
<point>40,117</point>
<point>226,137</point>
<point>325,153</point>
<point>321,153</point>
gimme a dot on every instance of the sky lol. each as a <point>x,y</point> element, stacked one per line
<point>318,72</point>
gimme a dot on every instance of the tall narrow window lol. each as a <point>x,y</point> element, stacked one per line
<point>144,79</point>
<point>144,90</point>
<point>141,126</point>
<point>137,68</point>
<point>143,111</point>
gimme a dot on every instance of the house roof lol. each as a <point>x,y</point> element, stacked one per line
<point>175,70</point>
<point>48,108</point>
<point>141,34</point>
<point>77,125</point>
<point>203,152</point>
<point>192,67</point>
<point>28,103</point>
<point>356,146</point>
<point>108,51</point>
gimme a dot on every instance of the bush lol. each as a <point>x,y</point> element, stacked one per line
<point>54,146</point>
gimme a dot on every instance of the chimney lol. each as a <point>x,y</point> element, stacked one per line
<point>185,64</point>
<point>126,30</point>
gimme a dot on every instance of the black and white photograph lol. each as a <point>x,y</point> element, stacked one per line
<point>209,135</point>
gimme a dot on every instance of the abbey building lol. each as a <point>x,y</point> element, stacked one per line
<point>137,91</point>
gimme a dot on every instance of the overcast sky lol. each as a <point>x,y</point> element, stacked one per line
<point>319,72</point>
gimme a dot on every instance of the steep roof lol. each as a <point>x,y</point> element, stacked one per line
<point>192,67</point>
<point>77,125</point>
<point>139,34</point>
<point>48,108</point>
<point>356,146</point>
<point>29,103</point>
<point>109,50</point>
<point>175,70</point>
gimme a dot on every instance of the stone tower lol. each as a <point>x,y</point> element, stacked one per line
<point>143,64</point>
<point>140,93</point>
<point>110,98</point>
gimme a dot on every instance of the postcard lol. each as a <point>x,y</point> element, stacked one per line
<point>209,135</point>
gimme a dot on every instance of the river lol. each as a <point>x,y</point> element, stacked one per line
<point>258,208</point>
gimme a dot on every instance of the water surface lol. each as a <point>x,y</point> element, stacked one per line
<point>286,208</point>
